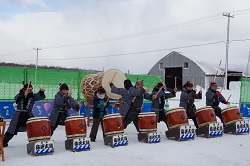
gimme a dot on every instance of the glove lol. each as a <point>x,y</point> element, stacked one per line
<point>111,84</point>
<point>218,94</point>
<point>225,102</point>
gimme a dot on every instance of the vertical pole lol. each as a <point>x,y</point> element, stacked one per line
<point>248,65</point>
<point>227,46</point>
<point>37,49</point>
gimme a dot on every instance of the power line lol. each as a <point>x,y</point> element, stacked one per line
<point>143,33</point>
<point>16,53</point>
<point>140,52</point>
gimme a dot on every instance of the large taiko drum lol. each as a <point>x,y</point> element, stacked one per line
<point>113,124</point>
<point>176,117</point>
<point>205,115</point>
<point>231,115</point>
<point>90,83</point>
<point>75,126</point>
<point>38,128</point>
<point>147,122</point>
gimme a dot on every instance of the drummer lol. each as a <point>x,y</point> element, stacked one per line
<point>159,101</point>
<point>62,103</point>
<point>213,99</point>
<point>25,101</point>
<point>188,95</point>
<point>132,99</point>
<point>100,103</point>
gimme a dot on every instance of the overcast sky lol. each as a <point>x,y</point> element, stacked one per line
<point>131,34</point>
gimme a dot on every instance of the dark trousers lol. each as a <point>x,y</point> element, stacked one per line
<point>191,114</point>
<point>21,123</point>
<point>132,116</point>
<point>60,121</point>
<point>161,116</point>
<point>95,126</point>
<point>217,111</point>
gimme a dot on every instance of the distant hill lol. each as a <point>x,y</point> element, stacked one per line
<point>3,64</point>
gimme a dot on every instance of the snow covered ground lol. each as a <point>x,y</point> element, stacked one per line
<point>227,150</point>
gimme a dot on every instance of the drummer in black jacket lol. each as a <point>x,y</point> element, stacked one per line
<point>213,99</point>
<point>159,102</point>
<point>25,101</point>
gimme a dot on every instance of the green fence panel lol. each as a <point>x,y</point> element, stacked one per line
<point>10,82</point>
<point>12,77</point>
<point>245,91</point>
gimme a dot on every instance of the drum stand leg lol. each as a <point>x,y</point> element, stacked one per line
<point>203,131</point>
<point>173,133</point>
<point>149,137</point>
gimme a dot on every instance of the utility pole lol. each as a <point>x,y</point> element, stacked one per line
<point>37,49</point>
<point>227,46</point>
<point>248,65</point>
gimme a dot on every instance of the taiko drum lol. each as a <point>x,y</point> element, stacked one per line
<point>205,115</point>
<point>231,115</point>
<point>38,129</point>
<point>75,126</point>
<point>147,122</point>
<point>113,124</point>
<point>176,117</point>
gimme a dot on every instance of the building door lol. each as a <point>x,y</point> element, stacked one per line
<point>173,77</point>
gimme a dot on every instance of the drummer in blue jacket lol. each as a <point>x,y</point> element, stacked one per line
<point>100,104</point>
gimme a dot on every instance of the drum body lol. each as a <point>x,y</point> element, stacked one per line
<point>75,126</point>
<point>38,129</point>
<point>205,115</point>
<point>113,124</point>
<point>231,115</point>
<point>147,122</point>
<point>176,117</point>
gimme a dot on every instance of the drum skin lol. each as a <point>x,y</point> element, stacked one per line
<point>117,78</point>
<point>91,82</point>
<point>75,126</point>
<point>147,122</point>
<point>176,117</point>
<point>205,115</point>
<point>113,124</point>
<point>38,129</point>
<point>231,115</point>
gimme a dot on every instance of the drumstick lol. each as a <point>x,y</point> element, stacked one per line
<point>222,88</point>
<point>159,78</point>
<point>71,84</point>
<point>229,97</point>
<point>158,91</point>
<point>152,84</point>
<point>174,82</point>
<point>28,87</point>
<point>38,86</point>
<point>113,77</point>
<point>201,84</point>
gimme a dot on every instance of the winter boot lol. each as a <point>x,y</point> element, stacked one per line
<point>7,138</point>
